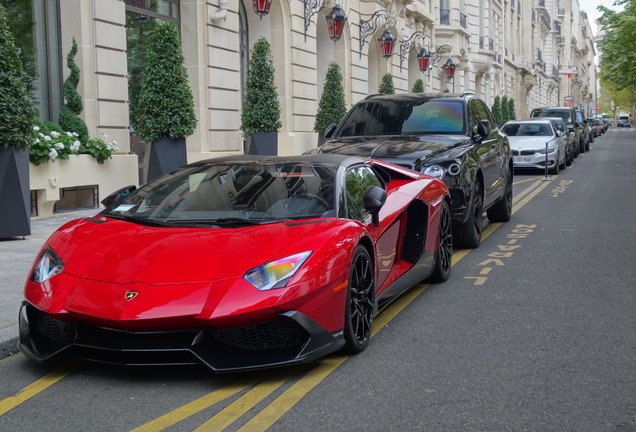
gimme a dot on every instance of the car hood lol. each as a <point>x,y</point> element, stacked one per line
<point>529,143</point>
<point>416,149</point>
<point>122,252</point>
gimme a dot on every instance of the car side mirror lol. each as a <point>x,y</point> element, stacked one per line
<point>330,130</point>
<point>373,199</point>
<point>484,128</point>
<point>118,195</point>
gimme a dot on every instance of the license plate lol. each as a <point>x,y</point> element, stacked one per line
<point>520,159</point>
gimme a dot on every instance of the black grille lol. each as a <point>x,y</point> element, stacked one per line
<point>273,334</point>
<point>415,237</point>
<point>515,152</point>
<point>457,197</point>
<point>52,329</point>
<point>527,152</point>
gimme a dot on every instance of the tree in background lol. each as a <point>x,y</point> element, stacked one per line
<point>418,86</point>
<point>69,119</point>
<point>505,115</point>
<point>496,110</point>
<point>332,107</point>
<point>618,67</point>
<point>511,109</point>
<point>386,85</point>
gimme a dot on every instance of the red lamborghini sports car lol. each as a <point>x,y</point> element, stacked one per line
<point>237,263</point>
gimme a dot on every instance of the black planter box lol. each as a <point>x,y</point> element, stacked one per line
<point>15,211</point>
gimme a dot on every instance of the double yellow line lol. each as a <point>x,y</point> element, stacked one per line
<point>249,392</point>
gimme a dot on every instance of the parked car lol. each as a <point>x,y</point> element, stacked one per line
<point>453,138</point>
<point>568,114</point>
<point>624,121</point>
<point>237,263</point>
<point>586,131</point>
<point>535,143</point>
<point>568,136</point>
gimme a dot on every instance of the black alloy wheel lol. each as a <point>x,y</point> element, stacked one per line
<point>444,252</point>
<point>468,235</point>
<point>360,306</point>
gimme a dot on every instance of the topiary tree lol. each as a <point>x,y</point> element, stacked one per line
<point>166,105</point>
<point>418,86</point>
<point>17,111</point>
<point>511,109</point>
<point>17,116</point>
<point>261,108</point>
<point>69,118</point>
<point>386,85</point>
<point>331,108</point>
<point>496,110</point>
<point>505,115</point>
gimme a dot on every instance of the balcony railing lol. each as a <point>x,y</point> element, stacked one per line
<point>444,16</point>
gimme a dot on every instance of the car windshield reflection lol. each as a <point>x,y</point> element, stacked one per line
<point>232,195</point>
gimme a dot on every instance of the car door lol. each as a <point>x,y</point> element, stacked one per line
<point>357,179</point>
<point>488,149</point>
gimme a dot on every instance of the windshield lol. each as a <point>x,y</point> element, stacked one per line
<point>565,114</point>
<point>399,117</point>
<point>232,195</point>
<point>527,129</point>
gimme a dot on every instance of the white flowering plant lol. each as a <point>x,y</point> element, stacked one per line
<point>51,143</point>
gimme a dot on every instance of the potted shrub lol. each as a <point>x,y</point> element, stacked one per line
<point>17,115</point>
<point>260,119</point>
<point>165,111</point>
<point>386,85</point>
<point>69,118</point>
<point>496,110</point>
<point>418,86</point>
<point>331,108</point>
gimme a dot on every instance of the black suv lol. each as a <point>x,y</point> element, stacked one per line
<point>451,137</point>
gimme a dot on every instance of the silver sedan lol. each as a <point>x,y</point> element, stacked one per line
<point>535,143</point>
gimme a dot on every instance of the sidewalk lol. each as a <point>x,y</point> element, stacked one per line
<point>16,258</point>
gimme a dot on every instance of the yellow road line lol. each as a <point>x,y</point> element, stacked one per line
<point>525,180</point>
<point>185,411</point>
<point>33,389</point>
<point>249,400</point>
<point>286,401</point>
<point>533,193</point>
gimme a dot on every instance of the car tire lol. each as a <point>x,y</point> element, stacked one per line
<point>582,147</point>
<point>587,146</point>
<point>468,235</point>
<point>564,164</point>
<point>444,251</point>
<point>359,306</point>
<point>502,211</point>
<point>569,159</point>
<point>555,169</point>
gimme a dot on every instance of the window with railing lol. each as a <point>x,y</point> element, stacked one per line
<point>444,16</point>
<point>539,55</point>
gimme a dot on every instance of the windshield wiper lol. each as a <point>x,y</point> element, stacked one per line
<point>136,219</point>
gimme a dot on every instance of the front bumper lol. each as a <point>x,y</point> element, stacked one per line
<point>289,338</point>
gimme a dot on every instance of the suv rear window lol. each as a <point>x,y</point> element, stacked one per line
<point>399,118</point>
<point>566,115</point>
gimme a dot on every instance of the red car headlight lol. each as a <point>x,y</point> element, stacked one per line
<point>275,274</point>
<point>47,266</point>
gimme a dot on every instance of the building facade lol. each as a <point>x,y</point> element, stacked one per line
<point>537,52</point>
